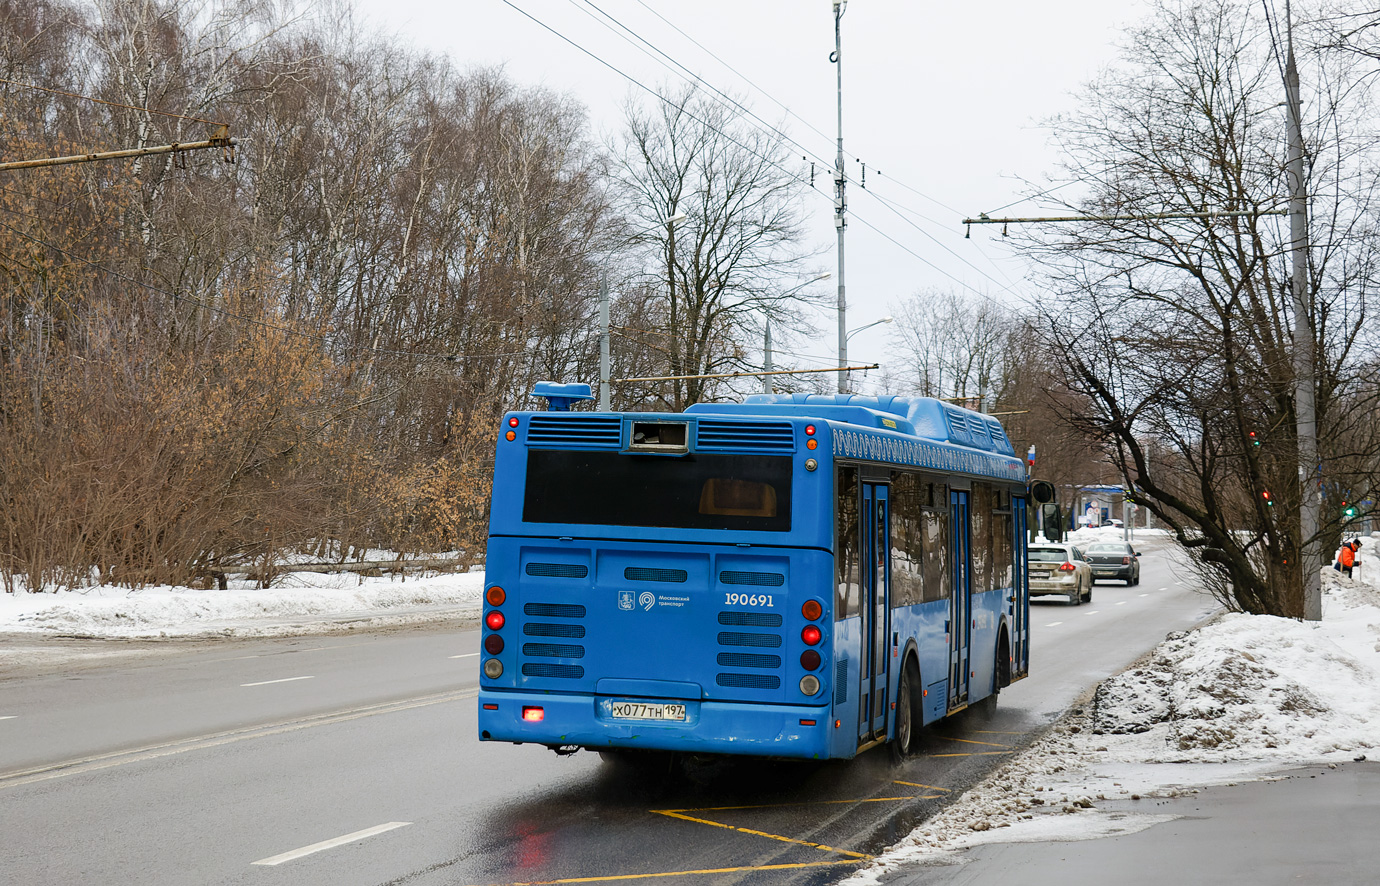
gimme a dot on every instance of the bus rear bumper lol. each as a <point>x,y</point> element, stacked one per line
<point>710,727</point>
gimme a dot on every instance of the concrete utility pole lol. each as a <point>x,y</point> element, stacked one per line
<point>840,204</point>
<point>1304,380</point>
<point>603,343</point>
<point>766,363</point>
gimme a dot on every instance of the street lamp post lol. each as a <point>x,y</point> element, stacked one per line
<point>766,340</point>
<point>604,387</point>
<point>847,385</point>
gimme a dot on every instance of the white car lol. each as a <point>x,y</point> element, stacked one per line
<point>1060,569</point>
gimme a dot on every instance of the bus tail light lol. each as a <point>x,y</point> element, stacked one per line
<point>811,635</point>
<point>533,715</point>
<point>494,620</point>
<point>809,684</point>
<point>493,644</point>
<point>811,610</point>
<point>493,669</point>
<point>495,595</point>
<point>809,659</point>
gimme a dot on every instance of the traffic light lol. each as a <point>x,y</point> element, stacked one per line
<point>1255,440</point>
<point>1269,501</point>
<point>1348,510</point>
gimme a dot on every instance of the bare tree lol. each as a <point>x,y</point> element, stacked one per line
<point>730,265</point>
<point>1177,331</point>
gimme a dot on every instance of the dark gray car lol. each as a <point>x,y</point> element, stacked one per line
<point>1114,559</point>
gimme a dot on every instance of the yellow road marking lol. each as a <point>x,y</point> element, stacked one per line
<point>673,814</point>
<point>928,787</point>
<point>790,805</point>
<point>994,732</point>
<point>971,741</point>
<point>706,872</point>
<point>974,754</point>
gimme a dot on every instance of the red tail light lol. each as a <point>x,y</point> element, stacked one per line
<point>1067,567</point>
<point>494,620</point>
<point>810,635</point>
<point>534,715</point>
<point>1125,561</point>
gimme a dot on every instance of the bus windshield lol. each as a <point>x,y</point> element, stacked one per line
<point>700,491</point>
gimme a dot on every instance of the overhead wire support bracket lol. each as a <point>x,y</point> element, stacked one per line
<point>983,219</point>
<point>749,374</point>
<point>226,144</point>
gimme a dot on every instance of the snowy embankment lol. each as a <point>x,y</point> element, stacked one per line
<point>1235,700</point>
<point>301,603</point>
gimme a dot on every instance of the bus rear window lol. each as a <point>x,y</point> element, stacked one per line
<point>701,491</point>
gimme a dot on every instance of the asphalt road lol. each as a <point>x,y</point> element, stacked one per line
<point>354,761</point>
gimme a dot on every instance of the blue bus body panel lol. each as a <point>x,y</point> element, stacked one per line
<point>717,627</point>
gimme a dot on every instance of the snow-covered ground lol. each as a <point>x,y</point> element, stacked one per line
<point>299,603</point>
<point>1235,700</point>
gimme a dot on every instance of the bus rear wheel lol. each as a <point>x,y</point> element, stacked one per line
<point>906,739</point>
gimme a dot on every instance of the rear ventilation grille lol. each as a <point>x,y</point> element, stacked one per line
<point>541,629</point>
<point>841,681</point>
<point>554,610</point>
<point>761,579</point>
<point>748,681</point>
<point>764,641</point>
<point>762,436</point>
<point>545,669</point>
<point>557,570</point>
<point>586,432</point>
<point>552,650</point>
<point>749,660</point>
<point>750,619</point>
<point>642,573</point>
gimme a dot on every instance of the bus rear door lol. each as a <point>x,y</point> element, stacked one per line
<point>960,611</point>
<point>874,669</point>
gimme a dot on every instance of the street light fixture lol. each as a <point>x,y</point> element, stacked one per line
<point>848,376</point>
<point>766,341</point>
<point>604,394</point>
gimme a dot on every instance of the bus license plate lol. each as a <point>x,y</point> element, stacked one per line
<point>635,710</point>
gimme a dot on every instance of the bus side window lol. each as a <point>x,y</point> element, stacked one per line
<point>983,499</point>
<point>937,578</point>
<point>907,539</point>
<point>847,546</point>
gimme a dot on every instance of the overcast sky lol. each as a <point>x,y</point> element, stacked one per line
<point>942,101</point>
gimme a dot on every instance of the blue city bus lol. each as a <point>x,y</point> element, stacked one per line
<point>793,576</point>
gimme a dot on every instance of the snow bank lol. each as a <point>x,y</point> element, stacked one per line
<point>303,603</point>
<point>1238,699</point>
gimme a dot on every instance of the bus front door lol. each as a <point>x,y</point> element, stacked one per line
<point>960,610</point>
<point>876,611</point>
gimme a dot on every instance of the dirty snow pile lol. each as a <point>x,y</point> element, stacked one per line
<point>299,603</point>
<point>1235,700</point>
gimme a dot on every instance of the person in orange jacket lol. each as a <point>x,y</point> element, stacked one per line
<point>1347,557</point>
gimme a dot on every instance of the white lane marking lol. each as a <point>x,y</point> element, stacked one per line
<point>1163,589</point>
<point>1054,624</point>
<point>466,655</point>
<point>10,717</point>
<point>284,680</point>
<point>331,844</point>
<point>153,752</point>
<point>1094,612</point>
<point>1146,595</point>
<point>1121,602</point>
